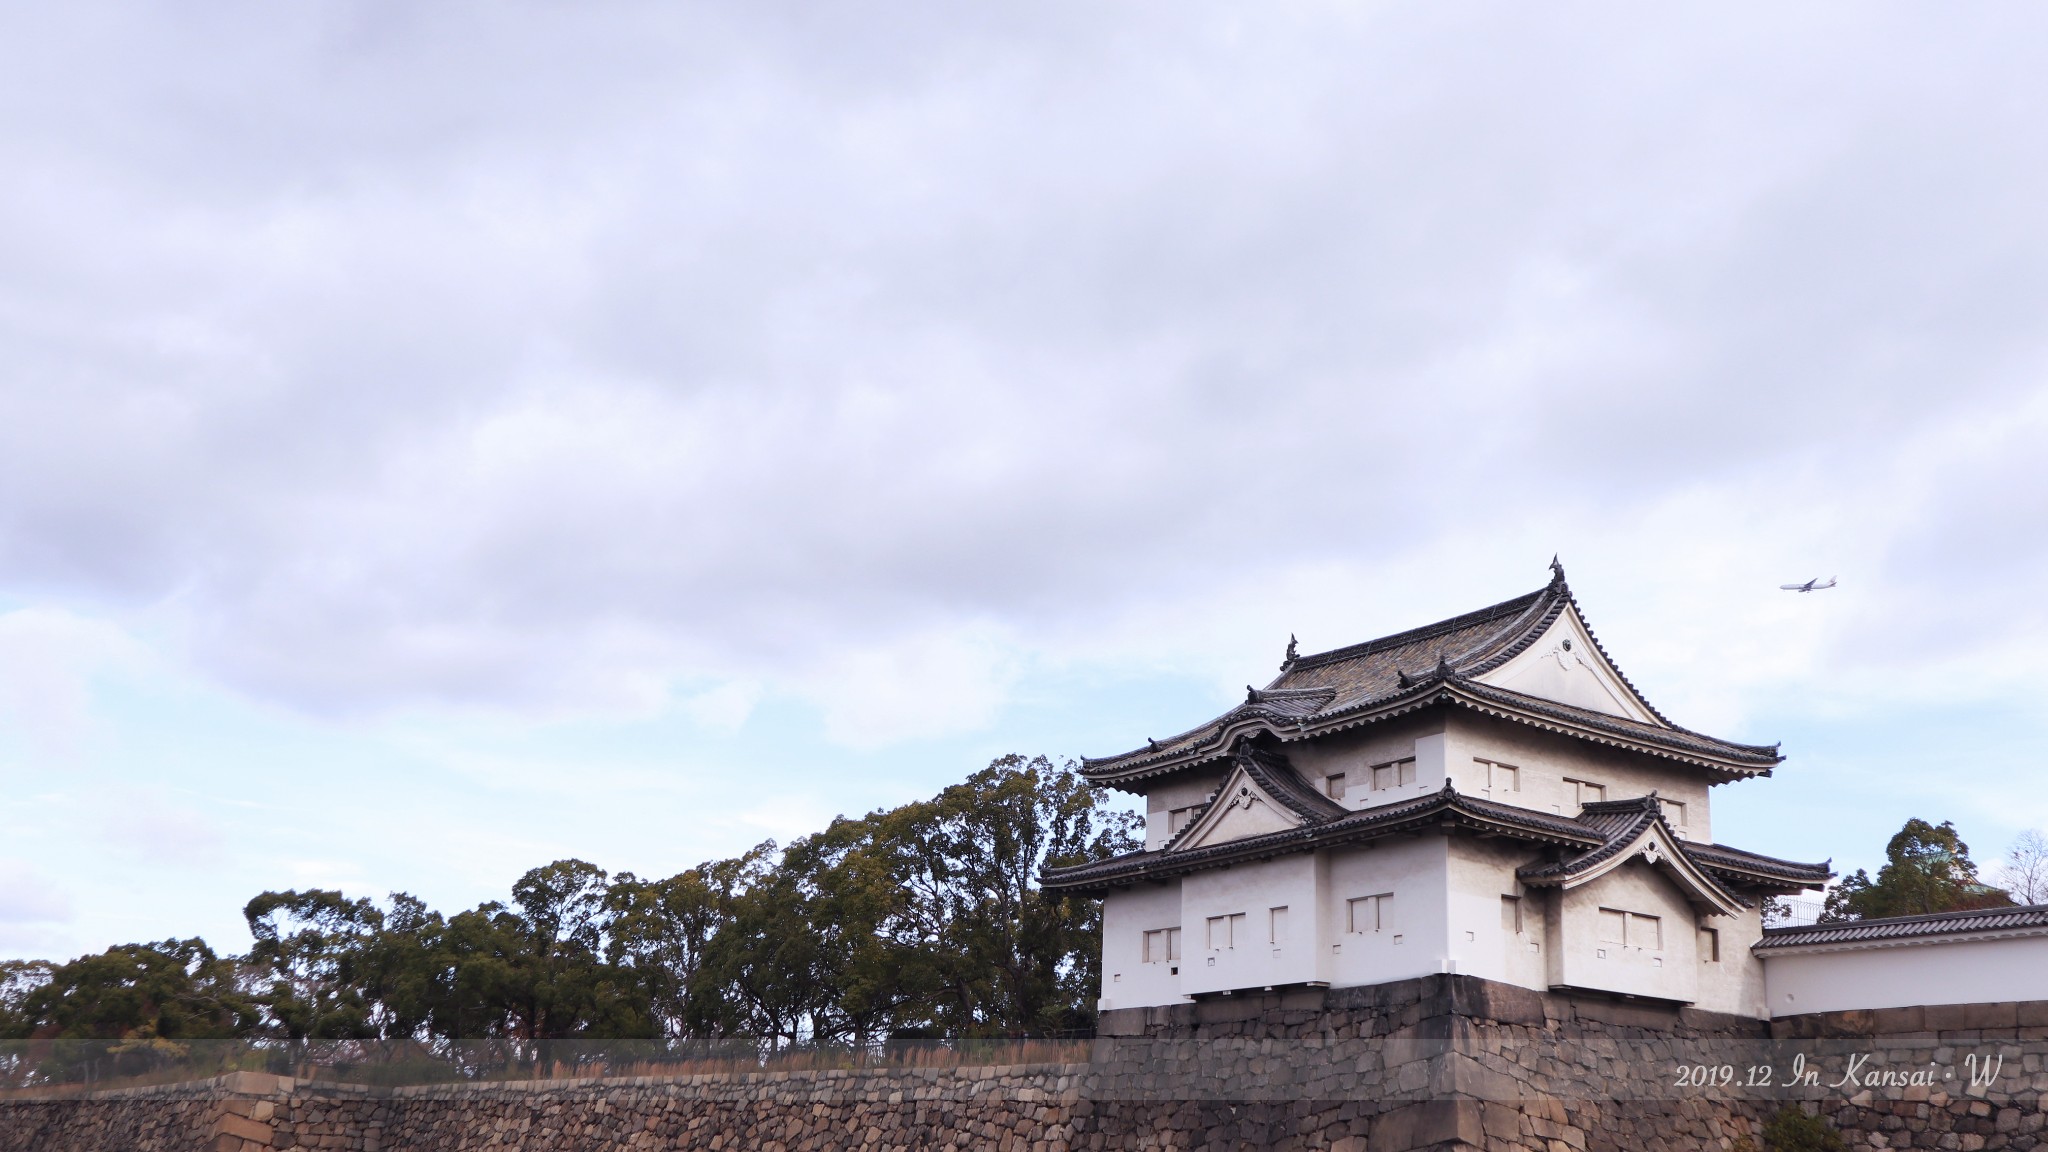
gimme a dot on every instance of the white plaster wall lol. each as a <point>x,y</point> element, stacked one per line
<point>1736,983</point>
<point>1180,791</point>
<point>1577,676</point>
<point>1584,961</point>
<point>1354,753</point>
<point>1903,976</point>
<point>1481,872</point>
<point>1546,759</point>
<point>1253,960</point>
<point>1415,871</point>
<point>1127,914</point>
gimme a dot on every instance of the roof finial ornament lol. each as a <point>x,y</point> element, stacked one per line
<point>1401,675</point>
<point>1444,671</point>
<point>1251,694</point>
<point>1152,744</point>
<point>1291,653</point>
<point>1556,569</point>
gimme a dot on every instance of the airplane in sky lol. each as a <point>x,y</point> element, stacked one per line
<point>1813,585</point>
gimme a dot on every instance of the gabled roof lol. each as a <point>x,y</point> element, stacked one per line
<point>1257,776</point>
<point>1601,838</point>
<point>1632,829</point>
<point>1438,664</point>
<point>1983,923</point>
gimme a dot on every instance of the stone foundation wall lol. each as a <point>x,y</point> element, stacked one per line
<point>1446,1062</point>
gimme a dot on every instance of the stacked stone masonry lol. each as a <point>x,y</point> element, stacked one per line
<point>1446,1062</point>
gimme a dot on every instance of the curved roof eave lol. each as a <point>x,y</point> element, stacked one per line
<point>1215,739</point>
<point>1445,806</point>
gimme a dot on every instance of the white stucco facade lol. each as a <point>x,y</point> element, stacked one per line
<point>1489,795</point>
<point>1532,822</point>
<point>1967,969</point>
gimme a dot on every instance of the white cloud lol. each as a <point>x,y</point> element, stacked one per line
<point>161,832</point>
<point>29,897</point>
<point>925,687</point>
<point>49,658</point>
<point>724,708</point>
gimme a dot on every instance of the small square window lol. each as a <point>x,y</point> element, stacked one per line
<point>1333,785</point>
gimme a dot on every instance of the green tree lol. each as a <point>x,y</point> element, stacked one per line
<point>316,948</point>
<point>536,970</point>
<point>171,990</point>
<point>1011,959</point>
<point>18,978</point>
<point>1927,869</point>
<point>661,930</point>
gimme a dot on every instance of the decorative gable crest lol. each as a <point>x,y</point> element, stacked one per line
<point>1241,809</point>
<point>1262,794</point>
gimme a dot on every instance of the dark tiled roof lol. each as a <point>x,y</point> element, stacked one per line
<point>1376,668</point>
<point>1444,807</point>
<point>1268,767</point>
<point>1752,868</point>
<point>1364,683</point>
<point>1591,839</point>
<point>1618,823</point>
<point>1903,929</point>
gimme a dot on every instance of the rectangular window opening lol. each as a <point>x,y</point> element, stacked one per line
<point>1394,775</point>
<point>1333,785</point>
<point>1585,792</point>
<point>1511,915</point>
<point>1646,931</point>
<point>1501,777</point>
<point>1710,945</point>
<point>1613,926</point>
<point>1224,931</point>
<point>1371,913</point>
<point>1162,946</point>
<point>1276,925</point>
<point>1632,929</point>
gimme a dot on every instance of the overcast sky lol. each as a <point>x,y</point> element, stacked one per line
<point>439,439</point>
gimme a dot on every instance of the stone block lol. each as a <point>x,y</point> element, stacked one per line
<point>244,1128</point>
<point>1427,1125</point>
<point>1991,1016</point>
<point>2031,1013</point>
<point>1944,1017</point>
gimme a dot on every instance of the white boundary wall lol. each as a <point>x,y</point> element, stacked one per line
<point>1928,971</point>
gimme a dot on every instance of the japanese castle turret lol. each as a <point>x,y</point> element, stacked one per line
<point>1485,795</point>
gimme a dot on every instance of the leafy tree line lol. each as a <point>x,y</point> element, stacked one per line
<point>922,920</point>
<point>1928,869</point>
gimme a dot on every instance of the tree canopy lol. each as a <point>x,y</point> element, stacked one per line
<point>913,921</point>
<point>1927,869</point>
